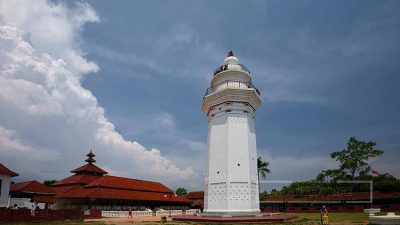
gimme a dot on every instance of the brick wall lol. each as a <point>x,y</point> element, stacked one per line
<point>93,214</point>
<point>24,215</point>
<point>335,209</point>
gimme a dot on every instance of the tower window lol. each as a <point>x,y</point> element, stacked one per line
<point>228,110</point>
<point>238,164</point>
<point>217,172</point>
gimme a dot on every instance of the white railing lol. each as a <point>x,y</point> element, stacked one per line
<point>231,84</point>
<point>125,213</point>
<point>148,213</point>
<point>166,212</point>
<point>192,211</point>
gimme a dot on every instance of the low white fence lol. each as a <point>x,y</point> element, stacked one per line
<point>192,211</point>
<point>125,213</point>
<point>167,213</point>
<point>148,213</point>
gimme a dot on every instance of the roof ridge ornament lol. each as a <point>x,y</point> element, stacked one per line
<point>230,53</point>
<point>90,156</point>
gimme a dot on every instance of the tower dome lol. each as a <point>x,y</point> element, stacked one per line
<point>231,59</point>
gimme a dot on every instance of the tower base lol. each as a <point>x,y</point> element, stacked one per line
<point>233,213</point>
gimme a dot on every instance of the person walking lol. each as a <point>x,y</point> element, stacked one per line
<point>130,212</point>
<point>324,216</point>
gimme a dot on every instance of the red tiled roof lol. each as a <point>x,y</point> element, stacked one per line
<point>195,195</point>
<point>63,189</point>
<point>340,197</point>
<point>107,193</point>
<point>71,189</point>
<point>89,168</point>
<point>127,183</point>
<point>44,199</point>
<point>31,187</point>
<point>77,179</point>
<point>5,170</point>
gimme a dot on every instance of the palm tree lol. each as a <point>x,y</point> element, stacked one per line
<point>262,169</point>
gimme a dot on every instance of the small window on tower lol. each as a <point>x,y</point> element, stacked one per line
<point>238,164</point>
<point>217,172</point>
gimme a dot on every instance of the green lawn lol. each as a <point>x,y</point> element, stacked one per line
<point>336,217</point>
<point>61,223</point>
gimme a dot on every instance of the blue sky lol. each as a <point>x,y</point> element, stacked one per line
<point>327,70</point>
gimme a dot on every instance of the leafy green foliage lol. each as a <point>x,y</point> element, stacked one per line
<point>262,167</point>
<point>353,159</point>
<point>49,182</point>
<point>386,183</point>
<point>353,165</point>
<point>181,191</point>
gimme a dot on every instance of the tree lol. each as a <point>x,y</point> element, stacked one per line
<point>262,169</point>
<point>181,191</point>
<point>354,159</point>
<point>49,182</point>
<point>386,183</point>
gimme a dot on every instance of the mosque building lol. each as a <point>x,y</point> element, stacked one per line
<point>91,188</point>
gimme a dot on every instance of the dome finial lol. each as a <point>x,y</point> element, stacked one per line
<point>230,53</point>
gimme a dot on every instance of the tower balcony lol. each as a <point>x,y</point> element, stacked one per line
<point>231,84</point>
<point>232,67</point>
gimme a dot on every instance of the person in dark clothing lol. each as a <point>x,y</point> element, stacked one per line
<point>324,216</point>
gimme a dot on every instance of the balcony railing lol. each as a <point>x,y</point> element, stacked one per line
<point>230,67</point>
<point>231,84</point>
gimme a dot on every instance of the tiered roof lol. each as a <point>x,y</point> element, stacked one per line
<point>83,175</point>
<point>81,179</point>
<point>111,187</point>
<point>90,182</point>
<point>6,171</point>
<point>129,184</point>
<point>89,169</point>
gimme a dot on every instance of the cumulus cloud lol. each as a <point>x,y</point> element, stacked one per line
<point>45,112</point>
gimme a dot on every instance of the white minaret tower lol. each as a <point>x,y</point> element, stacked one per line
<point>231,174</point>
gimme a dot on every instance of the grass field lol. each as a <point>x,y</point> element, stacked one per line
<point>336,217</point>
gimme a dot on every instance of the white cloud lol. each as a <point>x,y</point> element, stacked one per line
<point>52,28</point>
<point>44,110</point>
